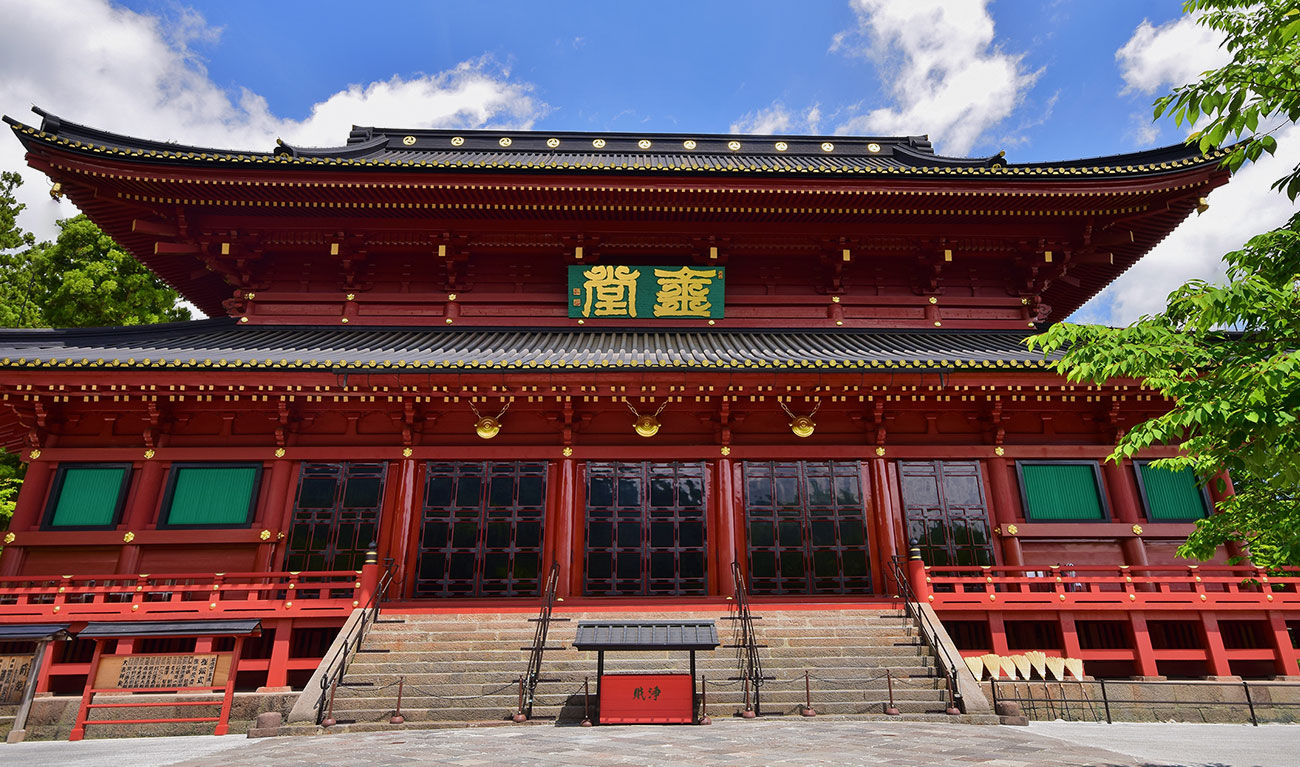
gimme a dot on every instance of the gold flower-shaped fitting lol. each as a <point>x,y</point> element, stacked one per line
<point>34,454</point>
<point>1012,530</point>
<point>644,143</point>
<point>568,451</point>
<point>828,146</point>
<point>9,537</point>
<point>599,143</point>
<point>407,452</point>
<point>552,142</point>
<point>726,450</point>
<point>408,140</point>
<point>265,535</point>
<point>505,141</point>
<point>733,146</point>
<point>1137,529</point>
<point>457,140</point>
<point>279,452</point>
<point>999,450</point>
<point>128,538</point>
<point>781,146</point>
<point>148,454</point>
<point>689,144</point>
<point>880,451</point>
<point>351,296</point>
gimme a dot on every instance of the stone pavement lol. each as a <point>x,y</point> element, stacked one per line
<point>727,742</point>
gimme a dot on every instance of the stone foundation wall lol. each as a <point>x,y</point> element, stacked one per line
<point>1131,701</point>
<point>52,717</point>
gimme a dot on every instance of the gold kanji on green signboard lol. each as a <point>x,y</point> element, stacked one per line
<point>636,292</point>
<point>683,292</point>
<point>610,291</point>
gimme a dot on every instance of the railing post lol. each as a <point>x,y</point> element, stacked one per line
<point>1250,703</point>
<point>370,572</point>
<point>1105,701</point>
<point>916,573</point>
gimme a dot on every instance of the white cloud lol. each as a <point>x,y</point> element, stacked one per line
<point>111,68</point>
<point>779,119</point>
<point>1157,58</point>
<point>1154,59</point>
<point>941,67</point>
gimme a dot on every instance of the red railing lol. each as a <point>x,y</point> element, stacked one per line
<point>1110,587</point>
<point>181,595</point>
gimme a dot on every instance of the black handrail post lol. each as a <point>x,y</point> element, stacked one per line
<point>369,615</point>
<point>529,682</point>
<point>752,665</point>
<point>1251,703</point>
<point>1105,701</point>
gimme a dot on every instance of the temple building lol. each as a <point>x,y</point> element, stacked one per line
<point>639,357</point>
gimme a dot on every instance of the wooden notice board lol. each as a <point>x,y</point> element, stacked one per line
<point>163,671</point>
<point>647,699</point>
<point>13,677</point>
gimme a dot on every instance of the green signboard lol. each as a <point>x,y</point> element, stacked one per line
<point>646,292</point>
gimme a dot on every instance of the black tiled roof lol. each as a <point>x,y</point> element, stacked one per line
<point>222,343</point>
<point>643,153</point>
<point>646,635</point>
<point>186,628</point>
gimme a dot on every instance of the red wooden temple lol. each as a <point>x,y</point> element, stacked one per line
<point>643,357</point>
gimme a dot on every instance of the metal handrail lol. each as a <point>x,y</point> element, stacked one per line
<point>351,644</point>
<point>533,677</point>
<point>751,665</point>
<point>927,631</point>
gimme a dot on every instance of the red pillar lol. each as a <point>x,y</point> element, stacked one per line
<point>566,509</point>
<point>881,514</point>
<point>998,634</point>
<point>1234,548</point>
<point>1070,647</point>
<point>1216,654</point>
<point>277,673</point>
<point>141,513</point>
<point>724,535</point>
<point>1286,658</point>
<point>403,519</point>
<point>1004,510</point>
<point>1144,654</point>
<point>1123,494</point>
<point>31,497</point>
<point>274,515</point>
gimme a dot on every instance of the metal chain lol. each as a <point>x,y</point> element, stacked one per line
<point>816,407</point>
<point>509,401</point>
<point>636,414</point>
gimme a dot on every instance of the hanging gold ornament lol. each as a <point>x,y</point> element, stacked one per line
<point>645,425</point>
<point>802,425</point>
<point>487,427</point>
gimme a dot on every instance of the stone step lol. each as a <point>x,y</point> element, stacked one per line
<point>718,716</point>
<point>374,673</point>
<point>418,695</point>
<point>573,710</point>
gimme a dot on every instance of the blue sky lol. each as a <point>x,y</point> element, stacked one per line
<point>1040,79</point>
<point>674,66</point>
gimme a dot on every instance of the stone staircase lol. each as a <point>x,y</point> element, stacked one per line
<point>463,669</point>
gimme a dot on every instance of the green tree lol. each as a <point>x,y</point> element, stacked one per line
<point>1255,93</point>
<point>82,279</point>
<point>1227,356</point>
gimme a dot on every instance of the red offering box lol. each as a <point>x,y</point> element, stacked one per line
<point>646,699</point>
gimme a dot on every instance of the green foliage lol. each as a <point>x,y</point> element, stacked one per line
<point>1259,87</point>
<point>85,279</point>
<point>1228,357</point>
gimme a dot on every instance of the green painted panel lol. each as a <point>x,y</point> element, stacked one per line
<point>1172,494</point>
<point>203,496</point>
<point>646,292</point>
<point>88,497</point>
<point>1062,492</point>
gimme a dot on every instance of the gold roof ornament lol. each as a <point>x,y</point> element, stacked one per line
<point>803,426</point>
<point>646,425</point>
<point>487,427</point>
